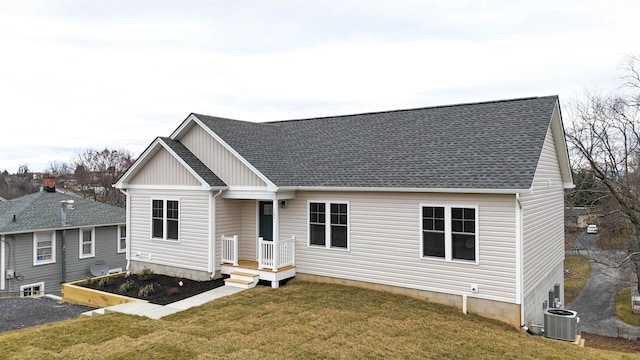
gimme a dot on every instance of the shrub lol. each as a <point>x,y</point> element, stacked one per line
<point>105,282</point>
<point>146,274</point>
<point>126,286</point>
<point>146,290</point>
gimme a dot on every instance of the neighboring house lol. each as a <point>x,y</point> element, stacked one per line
<point>461,204</point>
<point>48,238</point>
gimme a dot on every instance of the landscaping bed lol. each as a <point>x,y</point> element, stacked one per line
<point>154,288</point>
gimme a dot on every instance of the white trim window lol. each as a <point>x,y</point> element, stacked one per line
<point>449,232</point>
<point>44,247</point>
<point>328,224</point>
<point>32,290</point>
<point>122,238</point>
<point>165,219</point>
<point>86,243</point>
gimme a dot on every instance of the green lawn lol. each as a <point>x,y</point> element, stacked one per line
<point>579,271</point>
<point>623,307</point>
<point>297,321</point>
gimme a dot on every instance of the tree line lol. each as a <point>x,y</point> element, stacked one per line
<point>90,174</point>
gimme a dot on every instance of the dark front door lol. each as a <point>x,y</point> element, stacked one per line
<point>266,220</point>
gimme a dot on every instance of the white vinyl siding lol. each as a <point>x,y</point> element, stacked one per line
<point>44,247</point>
<point>191,252</point>
<point>164,169</point>
<point>86,243</point>
<point>543,219</point>
<point>220,160</point>
<point>385,243</point>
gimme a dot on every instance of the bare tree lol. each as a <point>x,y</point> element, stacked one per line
<point>97,170</point>
<point>59,168</point>
<point>605,137</point>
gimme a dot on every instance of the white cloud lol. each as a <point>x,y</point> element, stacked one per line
<point>120,73</point>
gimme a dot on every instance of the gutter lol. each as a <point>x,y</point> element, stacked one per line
<point>403,189</point>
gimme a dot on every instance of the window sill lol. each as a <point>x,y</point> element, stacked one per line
<point>328,248</point>
<point>454,261</point>
<point>86,256</point>
<point>44,262</point>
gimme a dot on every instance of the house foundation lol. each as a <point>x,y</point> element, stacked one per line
<point>497,310</point>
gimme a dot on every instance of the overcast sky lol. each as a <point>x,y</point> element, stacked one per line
<point>94,74</point>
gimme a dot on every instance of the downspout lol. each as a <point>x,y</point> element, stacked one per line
<point>212,233</point>
<point>126,224</point>
<point>519,258</point>
<point>63,258</point>
<point>2,264</point>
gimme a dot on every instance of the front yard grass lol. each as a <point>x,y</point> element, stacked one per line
<point>298,321</point>
<point>577,272</point>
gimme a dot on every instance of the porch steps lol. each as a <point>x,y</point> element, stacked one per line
<point>242,280</point>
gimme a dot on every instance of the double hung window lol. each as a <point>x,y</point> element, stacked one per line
<point>329,224</point>
<point>165,219</point>
<point>450,232</point>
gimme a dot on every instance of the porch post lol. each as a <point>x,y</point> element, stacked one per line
<point>276,232</point>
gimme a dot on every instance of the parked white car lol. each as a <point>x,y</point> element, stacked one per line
<point>592,229</point>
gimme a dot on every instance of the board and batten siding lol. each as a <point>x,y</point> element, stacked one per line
<point>220,160</point>
<point>543,219</point>
<point>164,169</point>
<point>192,249</point>
<point>385,243</point>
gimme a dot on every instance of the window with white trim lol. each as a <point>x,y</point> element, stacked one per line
<point>165,219</point>
<point>449,232</point>
<point>32,290</point>
<point>329,224</point>
<point>122,238</point>
<point>87,243</point>
<point>44,247</point>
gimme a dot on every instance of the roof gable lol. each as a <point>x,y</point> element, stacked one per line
<point>204,176</point>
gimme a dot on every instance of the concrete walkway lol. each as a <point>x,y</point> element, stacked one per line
<point>595,304</point>
<point>155,311</point>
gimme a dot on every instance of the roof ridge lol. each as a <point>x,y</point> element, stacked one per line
<point>410,109</point>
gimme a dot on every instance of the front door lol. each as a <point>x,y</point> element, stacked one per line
<point>265,219</point>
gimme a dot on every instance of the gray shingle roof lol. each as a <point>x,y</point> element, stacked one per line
<point>489,145</point>
<point>41,210</point>
<point>200,168</point>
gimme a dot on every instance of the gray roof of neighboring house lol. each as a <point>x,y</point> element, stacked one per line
<point>489,145</point>
<point>42,211</point>
<point>198,166</point>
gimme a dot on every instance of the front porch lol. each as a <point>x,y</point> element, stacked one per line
<point>276,262</point>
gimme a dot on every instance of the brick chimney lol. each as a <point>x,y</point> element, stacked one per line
<point>49,183</point>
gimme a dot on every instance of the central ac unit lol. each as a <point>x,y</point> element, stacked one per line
<point>561,324</point>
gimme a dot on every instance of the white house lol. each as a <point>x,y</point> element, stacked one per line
<point>458,204</point>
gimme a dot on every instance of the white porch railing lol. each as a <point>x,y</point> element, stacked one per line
<point>230,249</point>
<point>275,254</point>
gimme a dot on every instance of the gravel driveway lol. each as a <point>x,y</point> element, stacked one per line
<point>19,313</point>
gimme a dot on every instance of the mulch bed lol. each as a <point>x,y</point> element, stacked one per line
<point>166,289</point>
